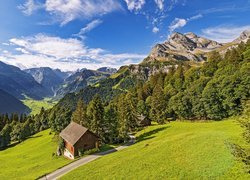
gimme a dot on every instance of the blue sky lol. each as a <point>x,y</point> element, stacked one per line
<point>72,34</point>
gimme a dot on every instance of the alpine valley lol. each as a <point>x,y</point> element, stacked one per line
<point>187,104</point>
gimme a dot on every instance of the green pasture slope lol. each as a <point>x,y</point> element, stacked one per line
<point>31,158</point>
<point>179,150</point>
<point>36,105</point>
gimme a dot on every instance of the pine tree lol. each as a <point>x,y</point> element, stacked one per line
<point>158,105</point>
<point>111,124</point>
<point>5,136</point>
<point>95,113</point>
<point>80,114</point>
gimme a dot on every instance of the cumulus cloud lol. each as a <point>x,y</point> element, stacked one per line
<point>67,54</point>
<point>65,11</point>
<point>224,33</point>
<point>135,5</point>
<point>177,23</point>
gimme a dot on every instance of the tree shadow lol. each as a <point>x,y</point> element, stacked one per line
<point>9,146</point>
<point>32,137</point>
<point>148,135</point>
<point>16,143</point>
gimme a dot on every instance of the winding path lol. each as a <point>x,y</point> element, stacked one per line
<point>66,169</point>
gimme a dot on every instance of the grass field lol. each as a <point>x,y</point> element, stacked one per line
<point>30,159</point>
<point>179,150</point>
<point>36,105</point>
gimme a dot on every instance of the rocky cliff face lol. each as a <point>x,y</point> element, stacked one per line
<point>184,47</point>
<point>244,37</point>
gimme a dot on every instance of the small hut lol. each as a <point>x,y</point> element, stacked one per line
<point>77,137</point>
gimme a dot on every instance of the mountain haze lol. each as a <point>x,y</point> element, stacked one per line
<point>10,104</point>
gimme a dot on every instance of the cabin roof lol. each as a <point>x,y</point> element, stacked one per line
<point>73,132</point>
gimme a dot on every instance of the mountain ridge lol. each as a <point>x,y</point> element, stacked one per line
<point>190,47</point>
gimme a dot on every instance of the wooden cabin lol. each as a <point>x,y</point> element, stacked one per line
<point>77,137</point>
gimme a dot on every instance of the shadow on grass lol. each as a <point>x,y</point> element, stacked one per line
<point>32,137</point>
<point>16,143</point>
<point>9,146</point>
<point>148,135</point>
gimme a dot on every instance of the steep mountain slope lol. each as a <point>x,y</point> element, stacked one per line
<point>81,79</point>
<point>185,47</point>
<point>9,104</point>
<point>48,78</point>
<point>19,83</point>
<point>190,47</point>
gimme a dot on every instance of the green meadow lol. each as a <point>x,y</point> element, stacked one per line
<point>36,105</point>
<point>31,158</point>
<point>179,150</point>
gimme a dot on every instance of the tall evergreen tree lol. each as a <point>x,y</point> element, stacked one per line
<point>158,105</point>
<point>95,112</point>
<point>80,114</point>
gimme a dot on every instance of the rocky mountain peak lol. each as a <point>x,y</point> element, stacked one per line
<point>184,47</point>
<point>244,36</point>
<point>191,35</point>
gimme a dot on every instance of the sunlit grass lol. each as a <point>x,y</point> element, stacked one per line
<point>31,158</point>
<point>36,105</point>
<point>179,150</point>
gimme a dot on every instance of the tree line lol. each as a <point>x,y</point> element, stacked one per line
<point>17,127</point>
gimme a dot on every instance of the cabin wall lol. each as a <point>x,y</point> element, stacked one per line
<point>87,141</point>
<point>69,147</point>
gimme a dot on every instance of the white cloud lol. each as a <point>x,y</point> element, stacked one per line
<point>135,5</point>
<point>160,4</point>
<point>29,7</point>
<point>155,30</point>
<point>198,16</point>
<point>224,33</point>
<point>67,54</point>
<point>177,23</point>
<point>93,24</point>
<point>64,11</point>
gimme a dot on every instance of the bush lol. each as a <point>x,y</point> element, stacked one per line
<point>91,151</point>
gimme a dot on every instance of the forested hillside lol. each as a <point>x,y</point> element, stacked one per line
<point>214,90</point>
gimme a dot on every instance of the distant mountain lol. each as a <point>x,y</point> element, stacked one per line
<point>10,104</point>
<point>19,83</point>
<point>82,78</point>
<point>245,35</point>
<point>190,47</point>
<point>107,70</point>
<point>184,47</point>
<point>48,78</point>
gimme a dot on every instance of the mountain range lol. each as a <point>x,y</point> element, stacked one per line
<point>38,83</point>
<point>179,49</point>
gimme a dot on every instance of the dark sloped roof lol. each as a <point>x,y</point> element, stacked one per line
<point>73,132</point>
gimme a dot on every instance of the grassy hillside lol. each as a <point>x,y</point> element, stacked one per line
<point>36,105</point>
<point>30,159</point>
<point>180,150</point>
